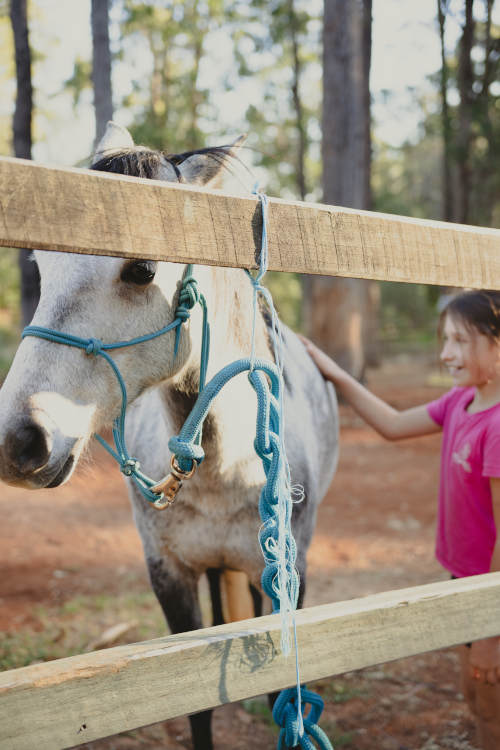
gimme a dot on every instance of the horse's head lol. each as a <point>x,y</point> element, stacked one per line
<point>56,396</point>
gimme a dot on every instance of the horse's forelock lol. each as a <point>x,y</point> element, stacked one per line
<point>134,162</point>
<point>149,164</point>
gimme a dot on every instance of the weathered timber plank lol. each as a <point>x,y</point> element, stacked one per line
<point>82,211</point>
<point>68,702</point>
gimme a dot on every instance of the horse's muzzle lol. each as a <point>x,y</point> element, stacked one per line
<point>26,456</point>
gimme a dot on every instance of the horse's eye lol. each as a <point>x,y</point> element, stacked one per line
<point>140,272</point>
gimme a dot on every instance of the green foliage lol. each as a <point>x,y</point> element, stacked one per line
<point>263,49</point>
<point>337,691</point>
<point>168,107</point>
<point>407,180</point>
<point>70,628</point>
<point>9,341</point>
<point>9,308</point>
<point>286,289</point>
<point>259,709</point>
<point>408,315</point>
<point>9,279</point>
<point>80,80</point>
<point>474,121</point>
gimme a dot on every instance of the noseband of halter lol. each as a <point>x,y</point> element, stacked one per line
<point>189,296</point>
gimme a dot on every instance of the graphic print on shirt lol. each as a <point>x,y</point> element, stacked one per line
<point>460,457</point>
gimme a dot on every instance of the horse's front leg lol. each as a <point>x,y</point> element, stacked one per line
<point>177,593</point>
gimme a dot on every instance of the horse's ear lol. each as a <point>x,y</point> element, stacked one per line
<point>211,166</point>
<point>115,138</point>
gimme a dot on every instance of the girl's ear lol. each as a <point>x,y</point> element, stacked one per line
<point>115,138</point>
<point>211,167</point>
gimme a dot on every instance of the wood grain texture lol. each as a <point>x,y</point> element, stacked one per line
<point>71,701</point>
<point>82,211</point>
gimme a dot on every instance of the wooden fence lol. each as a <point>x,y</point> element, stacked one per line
<point>70,701</point>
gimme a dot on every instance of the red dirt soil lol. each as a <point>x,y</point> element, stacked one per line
<point>375,533</point>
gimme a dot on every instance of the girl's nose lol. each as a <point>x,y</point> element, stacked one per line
<point>446,353</point>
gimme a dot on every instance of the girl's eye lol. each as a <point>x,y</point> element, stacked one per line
<point>140,272</point>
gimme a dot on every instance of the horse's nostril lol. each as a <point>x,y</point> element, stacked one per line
<point>28,447</point>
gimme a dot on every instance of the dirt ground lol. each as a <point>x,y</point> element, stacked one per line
<point>375,533</point>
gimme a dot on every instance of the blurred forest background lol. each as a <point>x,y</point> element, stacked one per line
<point>310,123</point>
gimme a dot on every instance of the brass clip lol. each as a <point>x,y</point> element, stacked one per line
<point>171,484</point>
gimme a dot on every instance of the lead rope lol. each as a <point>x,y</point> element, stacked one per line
<point>290,704</point>
<point>280,580</point>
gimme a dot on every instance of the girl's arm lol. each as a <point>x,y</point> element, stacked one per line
<point>484,662</point>
<point>387,421</point>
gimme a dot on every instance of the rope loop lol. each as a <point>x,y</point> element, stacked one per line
<point>285,714</point>
<point>94,346</point>
<point>130,466</point>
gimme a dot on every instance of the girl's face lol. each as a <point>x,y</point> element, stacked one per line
<point>472,358</point>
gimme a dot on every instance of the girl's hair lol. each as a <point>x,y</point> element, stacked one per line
<point>477,309</point>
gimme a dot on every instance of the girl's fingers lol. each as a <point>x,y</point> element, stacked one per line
<point>488,676</point>
<point>307,343</point>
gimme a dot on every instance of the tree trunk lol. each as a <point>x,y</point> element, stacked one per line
<point>30,279</point>
<point>101,67</point>
<point>447,199</point>
<point>297,102</point>
<point>465,83</point>
<point>339,313</point>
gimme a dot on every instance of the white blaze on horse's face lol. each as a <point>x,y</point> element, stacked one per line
<point>56,396</point>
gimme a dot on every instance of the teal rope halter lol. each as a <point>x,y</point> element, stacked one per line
<point>189,296</point>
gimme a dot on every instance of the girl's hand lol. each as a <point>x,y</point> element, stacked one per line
<point>484,662</point>
<point>328,368</point>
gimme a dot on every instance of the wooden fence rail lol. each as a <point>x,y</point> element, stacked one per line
<point>100,213</point>
<point>70,701</point>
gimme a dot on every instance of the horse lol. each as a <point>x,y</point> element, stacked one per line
<point>55,398</point>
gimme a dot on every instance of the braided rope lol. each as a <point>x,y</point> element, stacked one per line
<point>280,580</point>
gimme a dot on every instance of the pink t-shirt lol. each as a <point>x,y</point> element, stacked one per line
<point>470,454</point>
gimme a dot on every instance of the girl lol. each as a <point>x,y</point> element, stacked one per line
<point>469,493</point>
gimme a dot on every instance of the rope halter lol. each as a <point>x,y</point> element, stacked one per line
<point>154,492</point>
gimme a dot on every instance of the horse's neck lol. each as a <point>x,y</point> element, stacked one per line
<point>230,426</point>
<point>232,317</point>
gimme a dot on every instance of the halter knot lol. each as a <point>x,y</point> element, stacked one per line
<point>130,466</point>
<point>186,452</point>
<point>94,346</point>
<point>188,297</point>
<point>190,293</point>
<point>182,313</point>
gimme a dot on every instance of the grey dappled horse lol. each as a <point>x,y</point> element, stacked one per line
<point>55,397</point>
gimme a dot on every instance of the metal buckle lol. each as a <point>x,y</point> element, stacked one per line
<point>170,485</point>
